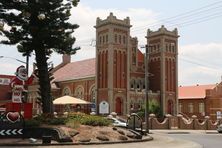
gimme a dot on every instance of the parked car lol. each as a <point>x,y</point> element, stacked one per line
<point>117,122</point>
<point>219,128</point>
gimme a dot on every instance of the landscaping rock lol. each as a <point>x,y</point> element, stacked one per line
<point>130,135</point>
<point>103,132</point>
<point>73,133</point>
<point>65,139</point>
<point>123,138</point>
<point>84,139</point>
<point>102,138</point>
<point>114,128</point>
<point>121,132</point>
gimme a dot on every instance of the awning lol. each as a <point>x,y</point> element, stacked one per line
<point>70,100</point>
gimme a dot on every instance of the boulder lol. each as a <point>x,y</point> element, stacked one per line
<point>123,138</point>
<point>73,133</point>
<point>102,138</point>
<point>121,132</point>
<point>84,139</point>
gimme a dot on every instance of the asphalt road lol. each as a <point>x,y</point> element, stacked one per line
<point>164,138</point>
<point>159,141</point>
<point>207,140</point>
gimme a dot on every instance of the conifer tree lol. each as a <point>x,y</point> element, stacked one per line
<point>39,26</point>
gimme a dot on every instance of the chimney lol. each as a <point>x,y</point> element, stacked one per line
<point>66,58</point>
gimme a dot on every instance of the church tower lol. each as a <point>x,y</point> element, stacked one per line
<point>163,67</point>
<point>112,44</point>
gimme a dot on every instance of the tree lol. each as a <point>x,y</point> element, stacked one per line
<point>39,26</point>
<point>153,108</point>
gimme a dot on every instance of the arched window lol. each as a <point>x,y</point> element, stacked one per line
<point>79,93</point>
<point>93,94</point>
<point>67,91</point>
<point>132,84</point>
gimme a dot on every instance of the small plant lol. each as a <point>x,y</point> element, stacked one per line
<point>32,123</point>
<point>73,124</point>
<point>80,118</point>
<point>57,121</point>
<point>95,121</point>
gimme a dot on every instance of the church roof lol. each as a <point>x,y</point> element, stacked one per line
<point>76,70</point>
<point>194,92</point>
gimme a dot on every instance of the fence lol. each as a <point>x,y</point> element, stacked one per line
<point>179,122</point>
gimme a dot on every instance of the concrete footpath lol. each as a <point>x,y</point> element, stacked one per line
<point>161,140</point>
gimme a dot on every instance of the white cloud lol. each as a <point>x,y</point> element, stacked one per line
<point>85,16</point>
<point>200,63</point>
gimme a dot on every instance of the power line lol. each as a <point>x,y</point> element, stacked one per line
<point>193,17</point>
<point>183,15</point>
<point>195,63</point>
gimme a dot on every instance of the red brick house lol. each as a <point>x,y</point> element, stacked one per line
<point>195,100</point>
<point>214,101</point>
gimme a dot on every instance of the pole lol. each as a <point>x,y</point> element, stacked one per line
<point>146,91</point>
<point>27,64</point>
<point>27,72</point>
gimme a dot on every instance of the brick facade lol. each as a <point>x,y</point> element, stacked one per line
<point>117,74</point>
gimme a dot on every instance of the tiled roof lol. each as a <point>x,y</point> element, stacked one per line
<point>194,92</point>
<point>76,70</point>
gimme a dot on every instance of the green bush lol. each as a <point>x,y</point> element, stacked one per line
<point>80,118</point>
<point>94,121</point>
<point>57,121</point>
<point>44,119</point>
<point>153,108</point>
<point>32,123</point>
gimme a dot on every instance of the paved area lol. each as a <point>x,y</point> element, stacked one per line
<point>160,140</point>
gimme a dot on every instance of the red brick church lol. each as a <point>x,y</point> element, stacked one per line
<point>117,75</point>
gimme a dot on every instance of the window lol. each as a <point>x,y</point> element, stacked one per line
<point>201,107</point>
<point>93,95</point>
<point>103,39</point>
<point>132,84</point>
<point>120,39</point>
<point>124,40</point>
<point>67,91</point>
<point>173,48</point>
<point>79,93</point>
<point>106,38</point>
<point>115,38</point>
<point>190,107</point>
<point>100,40</point>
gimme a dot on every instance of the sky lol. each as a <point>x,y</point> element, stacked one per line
<point>198,22</point>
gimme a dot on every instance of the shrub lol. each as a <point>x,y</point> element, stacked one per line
<point>44,119</point>
<point>80,118</point>
<point>95,121</point>
<point>57,121</point>
<point>153,108</point>
<point>32,123</point>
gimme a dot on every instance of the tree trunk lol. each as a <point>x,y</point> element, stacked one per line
<point>44,81</point>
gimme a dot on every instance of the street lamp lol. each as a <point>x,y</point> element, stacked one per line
<point>146,90</point>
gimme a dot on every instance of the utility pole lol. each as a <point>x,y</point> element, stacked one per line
<point>27,72</point>
<point>146,90</point>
